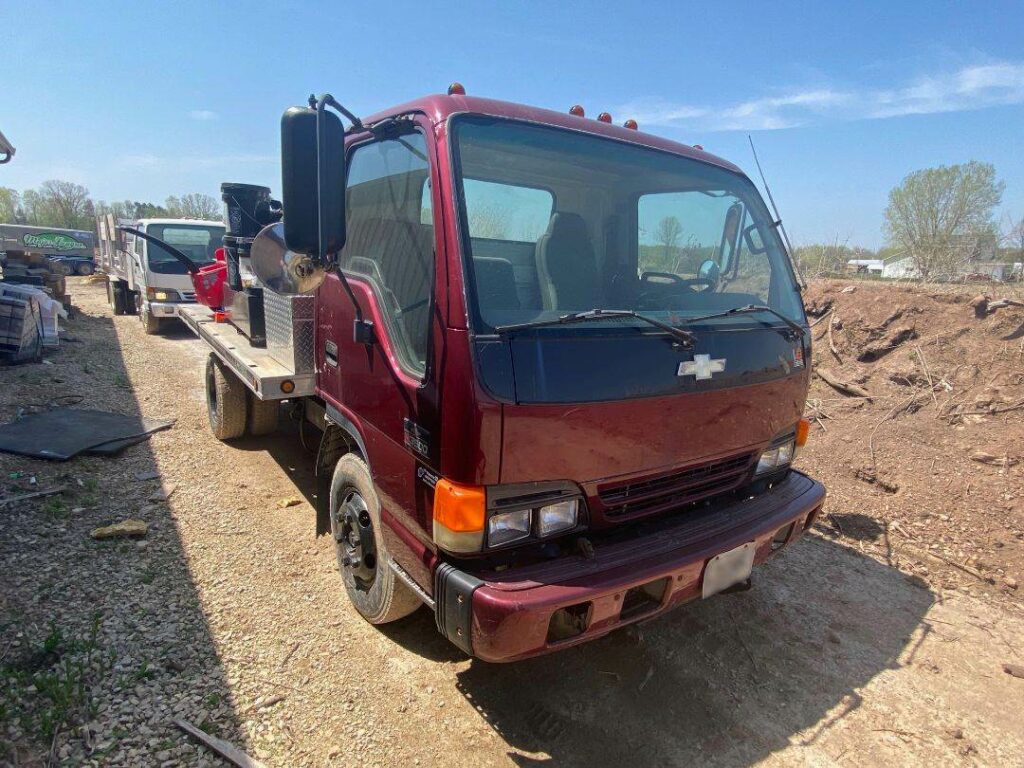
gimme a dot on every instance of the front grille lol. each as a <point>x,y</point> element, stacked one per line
<point>188,296</point>
<point>659,494</point>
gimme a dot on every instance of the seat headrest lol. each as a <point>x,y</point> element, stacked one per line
<point>568,225</point>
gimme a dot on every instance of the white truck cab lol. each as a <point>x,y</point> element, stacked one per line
<point>145,279</point>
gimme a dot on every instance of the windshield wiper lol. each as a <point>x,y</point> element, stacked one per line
<point>684,337</point>
<point>793,326</point>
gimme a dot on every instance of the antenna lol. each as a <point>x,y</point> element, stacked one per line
<point>778,218</point>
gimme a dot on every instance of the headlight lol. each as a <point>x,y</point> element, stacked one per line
<point>533,512</point>
<point>775,458</point>
<point>557,517</point>
<point>507,527</point>
<point>165,295</point>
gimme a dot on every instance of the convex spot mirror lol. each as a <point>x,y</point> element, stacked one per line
<point>710,272</point>
<point>280,269</point>
<point>313,181</point>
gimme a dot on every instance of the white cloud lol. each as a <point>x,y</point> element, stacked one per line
<point>203,114</point>
<point>969,88</point>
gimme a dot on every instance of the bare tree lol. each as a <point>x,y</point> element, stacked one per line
<point>668,235</point>
<point>59,204</point>
<point>193,206</point>
<point>942,217</point>
<point>488,222</point>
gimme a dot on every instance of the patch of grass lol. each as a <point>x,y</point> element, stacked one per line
<point>56,508</point>
<point>48,689</point>
<point>147,576</point>
<point>143,673</point>
<point>91,484</point>
<point>213,699</point>
<point>121,380</point>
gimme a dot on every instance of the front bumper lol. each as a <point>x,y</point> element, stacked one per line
<point>505,616</point>
<point>166,308</point>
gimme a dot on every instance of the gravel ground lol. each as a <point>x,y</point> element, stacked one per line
<point>230,613</point>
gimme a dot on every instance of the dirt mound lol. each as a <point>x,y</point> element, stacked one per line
<point>918,399</point>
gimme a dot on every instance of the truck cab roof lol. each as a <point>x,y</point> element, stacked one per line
<point>439,107</point>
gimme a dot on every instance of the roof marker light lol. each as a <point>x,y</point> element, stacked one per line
<point>631,124</point>
<point>577,110</point>
<point>604,117</point>
<point>456,89</point>
<point>699,146</point>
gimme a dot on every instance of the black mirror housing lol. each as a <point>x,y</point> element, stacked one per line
<point>313,181</point>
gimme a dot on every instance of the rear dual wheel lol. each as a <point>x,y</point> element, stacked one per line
<point>225,400</point>
<point>233,410</point>
<point>116,297</point>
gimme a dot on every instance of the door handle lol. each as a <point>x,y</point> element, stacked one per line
<point>331,354</point>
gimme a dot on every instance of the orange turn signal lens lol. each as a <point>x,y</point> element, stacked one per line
<point>456,89</point>
<point>460,513</point>
<point>803,428</point>
<point>459,508</point>
<point>287,386</point>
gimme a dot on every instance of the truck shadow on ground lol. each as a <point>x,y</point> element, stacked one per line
<point>723,682</point>
<point>110,633</point>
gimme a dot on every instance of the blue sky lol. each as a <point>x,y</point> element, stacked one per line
<point>143,100</point>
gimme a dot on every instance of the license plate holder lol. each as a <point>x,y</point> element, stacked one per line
<point>727,569</point>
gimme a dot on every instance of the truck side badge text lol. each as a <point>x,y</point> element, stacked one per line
<point>702,367</point>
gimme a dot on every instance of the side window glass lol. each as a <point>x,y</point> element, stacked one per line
<point>390,241</point>
<point>753,273</point>
<point>678,231</point>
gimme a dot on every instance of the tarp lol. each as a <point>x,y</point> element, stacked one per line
<point>63,433</point>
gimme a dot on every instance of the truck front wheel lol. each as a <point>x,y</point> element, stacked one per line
<point>359,544</point>
<point>150,325</point>
<point>225,400</point>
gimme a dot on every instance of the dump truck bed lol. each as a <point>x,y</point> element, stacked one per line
<point>260,372</point>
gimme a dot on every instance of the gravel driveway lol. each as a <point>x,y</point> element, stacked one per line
<point>230,614</point>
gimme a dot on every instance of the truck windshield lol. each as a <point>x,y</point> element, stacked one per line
<point>195,241</point>
<point>557,222</point>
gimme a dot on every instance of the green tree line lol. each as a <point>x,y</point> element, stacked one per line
<point>66,205</point>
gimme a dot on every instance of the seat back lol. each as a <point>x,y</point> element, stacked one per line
<point>566,266</point>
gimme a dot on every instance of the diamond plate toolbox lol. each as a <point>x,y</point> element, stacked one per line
<point>290,330</point>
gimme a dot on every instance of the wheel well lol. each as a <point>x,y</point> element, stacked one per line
<point>335,443</point>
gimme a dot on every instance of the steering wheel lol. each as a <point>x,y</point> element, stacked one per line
<point>675,280</point>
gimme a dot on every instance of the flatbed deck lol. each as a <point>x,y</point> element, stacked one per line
<point>259,371</point>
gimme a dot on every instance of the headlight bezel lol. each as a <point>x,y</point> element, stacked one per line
<point>533,498</point>
<point>777,457</point>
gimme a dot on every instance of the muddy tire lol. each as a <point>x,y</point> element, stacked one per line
<point>262,415</point>
<point>116,298</point>
<point>85,269</point>
<point>226,398</point>
<point>150,325</point>
<point>363,559</point>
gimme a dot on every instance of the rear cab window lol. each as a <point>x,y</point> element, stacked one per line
<point>505,222</point>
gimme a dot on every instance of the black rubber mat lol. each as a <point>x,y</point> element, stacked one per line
<point>65,432</point>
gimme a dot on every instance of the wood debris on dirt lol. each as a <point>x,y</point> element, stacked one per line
<point>34,495</point>
<point>225,749</point>
<point>839,385</point>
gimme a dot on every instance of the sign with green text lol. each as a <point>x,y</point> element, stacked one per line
<point>52,240</point>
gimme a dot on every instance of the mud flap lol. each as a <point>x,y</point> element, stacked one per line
<point>453,591</point>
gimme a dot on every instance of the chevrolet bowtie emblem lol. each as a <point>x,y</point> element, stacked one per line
<point>702,367</point>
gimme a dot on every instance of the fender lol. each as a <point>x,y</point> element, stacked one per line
<point>341,436</point>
